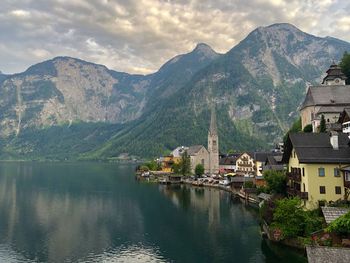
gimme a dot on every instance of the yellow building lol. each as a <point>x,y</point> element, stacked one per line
<point>167,163</point>
<point>316,163</point>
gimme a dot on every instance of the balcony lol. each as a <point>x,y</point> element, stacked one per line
<point>294,192</point>
<point>294,176</point>
<point>347,184</point>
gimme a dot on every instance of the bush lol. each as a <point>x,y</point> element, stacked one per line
<point>276,182</point>
<point>289,217</point>
<point>248,184</point>
<point>199,170</point>
<point>308,128</point>
<point>341,225</point>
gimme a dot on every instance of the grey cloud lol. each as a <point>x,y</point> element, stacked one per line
<point>139,36</point>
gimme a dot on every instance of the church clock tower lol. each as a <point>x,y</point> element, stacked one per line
<point>213,144</point>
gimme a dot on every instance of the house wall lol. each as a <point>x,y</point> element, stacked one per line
<point>245,163</point>
<point>199,158</point>
<point>311,181</point>
<point>259,168</point>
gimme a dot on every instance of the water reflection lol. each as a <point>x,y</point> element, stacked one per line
<point>42,218</point>
<point>98,213</point>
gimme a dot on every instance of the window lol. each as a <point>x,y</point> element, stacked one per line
<point>303,171</point>
<point>322,189</point>
<point>338,190</point>
<point>214,143</point>
<point>321,172</point>
<point>336,172</point>
<point>203,162</point>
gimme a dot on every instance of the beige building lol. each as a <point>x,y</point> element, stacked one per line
<point>198,155</point>
<point>317,167</point>
<point>245,163</point>
<point>328,99</point>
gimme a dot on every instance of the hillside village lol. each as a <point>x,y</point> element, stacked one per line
<point>315,160</point>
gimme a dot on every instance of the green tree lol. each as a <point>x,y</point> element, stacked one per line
<point>323,124</point>
<point>185,164</point>
<point>276,182</point>
<point>199,170</point>
<point>289,216</point>
<point>341,225</point>
<point>296,127</point>
<point>153,165</point>
<point>345,66</point>
<point>308,128</point>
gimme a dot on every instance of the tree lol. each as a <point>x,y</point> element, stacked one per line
<point>199,170</point>
<point>323,124</point>
<point>308,128</point>
<point>185,164</point>
<point>289,217</point>
<point>345,66</point>
<point>276,181</point>
<point>296,127</point>
<point>341,225</point>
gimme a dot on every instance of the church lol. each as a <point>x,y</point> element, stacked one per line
<point>328,99</point>
<point>209,158</point>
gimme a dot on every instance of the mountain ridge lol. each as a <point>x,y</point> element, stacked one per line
<point>256,86</point>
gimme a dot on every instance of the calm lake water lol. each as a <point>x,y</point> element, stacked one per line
<point>91,212</point>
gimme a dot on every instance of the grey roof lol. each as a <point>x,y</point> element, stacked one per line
<point>332,213</point>
<point>334,72</point>
<point>344,116</point>
<point>331,109</point>
<point>332,95</point>
<point>261,156</point>
<point>241,179</point>
<point>327,254</point>
<point>264,196</point>
<point>316,148</point>
<point>230,160</point>
<point>193,150</point>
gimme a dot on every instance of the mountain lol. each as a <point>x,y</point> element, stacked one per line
<point>256,87</point>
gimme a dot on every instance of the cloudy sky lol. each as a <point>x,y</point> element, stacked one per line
<point>138,36</point>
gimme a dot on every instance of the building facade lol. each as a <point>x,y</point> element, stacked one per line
<point>245,164</point>
<point>315,167</point>
<point>328,99</point>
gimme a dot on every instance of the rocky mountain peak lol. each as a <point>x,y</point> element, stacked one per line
<point>204,49</point>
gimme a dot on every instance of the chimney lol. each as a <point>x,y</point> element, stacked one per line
<point>334,140</point>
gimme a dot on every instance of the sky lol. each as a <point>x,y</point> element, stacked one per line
<point>138,36</point>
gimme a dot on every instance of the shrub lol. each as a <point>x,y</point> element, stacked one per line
<point>199,170</point>
<point>341,225</point>
<point>276,182</point>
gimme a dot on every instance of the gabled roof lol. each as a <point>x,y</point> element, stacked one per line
<point>332,213</point>
<point>344,116</point>
<point>193,150</point>
<point>316,148</point>
<point>334,95</point>
<point>323,254</point>
<point>230,160</point>
<point>251,154</point>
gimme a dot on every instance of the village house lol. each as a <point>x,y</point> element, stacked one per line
<point>167,162</point>
<point>227,163</point>
<point>245,164</point>
<point>328,99</point>
<point>316,163</point>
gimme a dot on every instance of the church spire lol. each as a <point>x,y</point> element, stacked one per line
<point>213,127</point>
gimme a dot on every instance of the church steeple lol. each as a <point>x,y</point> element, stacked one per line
<point>213,127</point>
<point>213,144</point>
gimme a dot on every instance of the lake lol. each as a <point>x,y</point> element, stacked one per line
<point>97,212</point>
